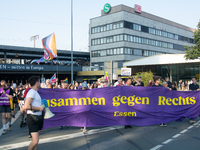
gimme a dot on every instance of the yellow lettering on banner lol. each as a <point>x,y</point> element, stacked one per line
<point>102,101</point>
<point>125,114</point>
<point>116,101</point>
<point>131,100</point>
<point>61,102</point>
<point>122,99</point>
<point>53,103</point>
<point>137,99</point>
<point>145,102</point>
<point>84,101</point>
<point>72,101</point>
<point>182,100</point>
<point>174,101</point>
<point>187,101</point>
<point>192,100</point>
<point>168,100</point>
<point>161,100</point>
<point>94,99</point>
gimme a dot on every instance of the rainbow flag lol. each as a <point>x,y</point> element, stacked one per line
<point>66,80</point>
<point>49,45</point>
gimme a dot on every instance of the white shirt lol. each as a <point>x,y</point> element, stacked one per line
<point>116,83</point>
<point>37,101</point>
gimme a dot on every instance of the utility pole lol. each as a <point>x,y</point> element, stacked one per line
<point>72,42</point>
<point>33,38</point>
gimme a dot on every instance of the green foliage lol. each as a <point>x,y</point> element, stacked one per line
<point>193,52</point>
<point>146,77</point>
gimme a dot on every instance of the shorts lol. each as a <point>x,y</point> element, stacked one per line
<point>5,109</point>
<point>32,125</point>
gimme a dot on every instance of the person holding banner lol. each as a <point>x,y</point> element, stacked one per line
<point>34,107</point>
<point>138,82</point>
<point>6,96</point>
<point>193,87</point>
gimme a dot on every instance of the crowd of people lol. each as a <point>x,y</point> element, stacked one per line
<point>11,96</point>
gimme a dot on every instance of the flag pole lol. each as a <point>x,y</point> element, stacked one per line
<point>57,66</point>
<point>71,41</point>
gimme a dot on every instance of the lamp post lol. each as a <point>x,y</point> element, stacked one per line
<point>71,41</point>
<point>33,38</point>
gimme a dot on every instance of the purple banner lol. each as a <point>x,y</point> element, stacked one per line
<point>125,105</point>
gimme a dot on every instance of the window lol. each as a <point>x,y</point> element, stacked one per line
<point>152,42</point>
<point>118,50</point>
<point>176,37</point>
<point>144,29</point>
<point>129,38</point>
<point>128,25</point>
<point>158,32</point>
<point>108,27</point>
<point>98,29</point>
<point>114,26</point>
<point>121,24</point>
<point>111,39</point>
<point>109,52</point>
<point>136,27</point>
<point>152,31</point>
<point>145,53</point>
<point>121,37</point>
<point>164,33</point>
<point>104,28</point>
<point>108,39</point>
<point>138,52</point>
<point>158,43</point>
<point>104,40</point>
<point>164,44</point>
<point>95,30</point>
<point>121,51</point>
<point>125,38</point>
<point>125,50</point>
<point>92,30</point>
<point>170,45</point>
<point>92,42</point>
<point>101,40</point>
<point>135,39</point>
<point>139,40</point>
<point>92,54</point>
<point>117,37</point>
<point>103,53</point>
<point>132,52</point>
<point>144,41</point>
<point>129,51</point>
<point>117,25</point>
<point>101,28</point>
<point>95,42</point>
<point>114,38</point>
<point>114,51</point>
<point>170,35</point>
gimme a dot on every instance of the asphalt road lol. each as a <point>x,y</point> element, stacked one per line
<point>176,136</point>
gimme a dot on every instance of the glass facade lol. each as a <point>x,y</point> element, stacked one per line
<point>179,72</point>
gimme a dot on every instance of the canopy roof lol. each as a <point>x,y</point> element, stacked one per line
<point>161,59</point>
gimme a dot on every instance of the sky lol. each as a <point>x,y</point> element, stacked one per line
<point>21,19</point>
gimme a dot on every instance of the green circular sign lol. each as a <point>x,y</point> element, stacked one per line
<point>107,8</point>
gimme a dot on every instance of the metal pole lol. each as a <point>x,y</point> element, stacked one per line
<point>71,41</point>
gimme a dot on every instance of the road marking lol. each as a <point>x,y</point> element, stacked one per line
<point>12,121</point>
<point>190,127</point>
<point>184,131</point>
<point>175,136</point>
<point>167,141</point>
<point>156,147</point>
<point>59,138</point>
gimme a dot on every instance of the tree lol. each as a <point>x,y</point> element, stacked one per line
<point>193,52</point>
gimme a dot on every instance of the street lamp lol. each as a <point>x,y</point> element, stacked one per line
<point>71,41</point>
